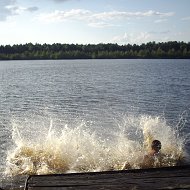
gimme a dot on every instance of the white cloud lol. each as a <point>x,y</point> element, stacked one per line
<point>160,20</point>
<point>144,37</point>
<point>133,38</point>
<point>126,15</point>
<point>100,19</point>
<point>76,14</point>
<point>156,13</point>
<point>101,24</point>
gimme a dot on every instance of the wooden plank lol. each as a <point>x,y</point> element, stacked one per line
<point>156,178</point>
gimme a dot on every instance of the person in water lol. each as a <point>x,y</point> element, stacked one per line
<point>155,147</point>
<point>150,160</point>
<point>153,158</point>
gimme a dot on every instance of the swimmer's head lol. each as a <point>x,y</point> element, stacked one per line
<point>156,145</point>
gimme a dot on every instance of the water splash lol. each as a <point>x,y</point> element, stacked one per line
<point>79,149</point>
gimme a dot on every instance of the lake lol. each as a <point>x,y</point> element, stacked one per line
<point>89,115</point>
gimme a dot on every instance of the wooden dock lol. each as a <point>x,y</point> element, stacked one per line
<point>177,177</point>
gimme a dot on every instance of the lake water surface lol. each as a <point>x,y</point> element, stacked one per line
<point>79,107</point>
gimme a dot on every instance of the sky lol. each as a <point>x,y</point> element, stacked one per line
<point>93,21</point>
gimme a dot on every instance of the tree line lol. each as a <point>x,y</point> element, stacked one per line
<point>150,50</point>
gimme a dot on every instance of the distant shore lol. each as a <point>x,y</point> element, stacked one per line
<point>150,50</point>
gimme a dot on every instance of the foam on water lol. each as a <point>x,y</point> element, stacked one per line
<point>79,149</point>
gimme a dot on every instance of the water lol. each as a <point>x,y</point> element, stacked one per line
<point>90,115</point>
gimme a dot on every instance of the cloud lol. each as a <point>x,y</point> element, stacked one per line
<point>16,10</point>
<point>101,24</point>
<point>9,8</point>
<point>143,37</point>
<point>32,9</point>
<point>100,19</point>
<point>4,10</point>
<point>133,38</point>
<point>127,15</point>
<point>76,14</point>
<point>160,20</point>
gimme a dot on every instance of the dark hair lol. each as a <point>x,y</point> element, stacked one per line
<point>156,144</point>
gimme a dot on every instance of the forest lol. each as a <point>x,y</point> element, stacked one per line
<point>150,50</point>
